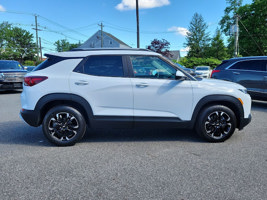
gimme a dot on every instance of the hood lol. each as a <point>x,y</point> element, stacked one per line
<point>220,83</point>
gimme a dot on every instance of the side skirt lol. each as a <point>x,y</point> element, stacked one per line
<point>144,122</point>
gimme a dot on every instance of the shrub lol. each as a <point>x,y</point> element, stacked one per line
<point>193,62</point>
<point>29,63</point>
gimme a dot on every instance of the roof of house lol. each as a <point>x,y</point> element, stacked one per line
<point>105,34</point>
<point>118,40</point>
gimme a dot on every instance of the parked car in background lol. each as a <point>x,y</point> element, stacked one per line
<point>251,72</point>
<point>203,71</point>
<point>188,70</point>
<point>11,75</point>
<point>29,68</point>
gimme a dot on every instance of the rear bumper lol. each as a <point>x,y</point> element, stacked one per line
<point>244,122</point>
<point>10,85</point>
<point>31,117</point>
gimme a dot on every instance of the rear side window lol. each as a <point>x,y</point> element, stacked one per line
<point>223,65</point>
<point>48,62</point>
<point>252,65</point>
<point>104,66</point>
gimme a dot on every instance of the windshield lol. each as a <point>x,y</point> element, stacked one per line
<point>10,65</point>
<point>202,68</point>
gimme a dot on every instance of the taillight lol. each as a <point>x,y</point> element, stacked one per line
<point>33,80</point>
<point>214,71</point>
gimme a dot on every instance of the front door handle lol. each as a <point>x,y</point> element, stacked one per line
<point>81,82</point>
<point>142,85</point>
<point>236,73</point>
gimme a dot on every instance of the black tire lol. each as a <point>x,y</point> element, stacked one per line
<point>64,125</point>
<point>216,123</point>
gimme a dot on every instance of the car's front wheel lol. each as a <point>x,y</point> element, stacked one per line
<point>64,125</point>
<point>216,123</point>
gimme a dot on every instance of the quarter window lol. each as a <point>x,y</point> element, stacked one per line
<point>253,65</point>
<point>104,66</point>
<point>151,67</point>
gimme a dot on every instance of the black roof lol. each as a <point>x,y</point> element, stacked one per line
<point>105,49</point>
<point>8,61</point>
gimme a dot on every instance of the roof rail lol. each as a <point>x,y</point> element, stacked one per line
<point>105,49</point>
<point>248,57</point>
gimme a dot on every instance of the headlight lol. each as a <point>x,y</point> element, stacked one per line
<point>243,90</point>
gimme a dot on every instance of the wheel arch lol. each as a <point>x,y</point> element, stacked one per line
<point>231,102</point>
<point>51,100</point>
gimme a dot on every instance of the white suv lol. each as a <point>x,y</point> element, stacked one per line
<point>127,88</point>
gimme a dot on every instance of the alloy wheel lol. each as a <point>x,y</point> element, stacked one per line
<point>218,124</point>
<point>63,126</point>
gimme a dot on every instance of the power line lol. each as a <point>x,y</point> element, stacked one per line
<point>252,37</point>
<point>71,30</point>
<point>48,20</point>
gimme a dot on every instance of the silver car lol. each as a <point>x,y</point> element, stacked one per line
<point>203,71</point>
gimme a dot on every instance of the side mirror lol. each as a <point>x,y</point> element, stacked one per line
<point>180,75</point>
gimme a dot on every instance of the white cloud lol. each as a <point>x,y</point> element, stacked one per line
<point>186,49</point>
<point>143,4</point>
<point>2,9</point>
<point>179,30</point>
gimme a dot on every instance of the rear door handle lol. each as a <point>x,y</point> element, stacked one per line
<point>81,82</point>
<point>236,73</point>
<point>142,85</point>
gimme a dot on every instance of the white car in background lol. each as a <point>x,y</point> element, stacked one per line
<point>203,71</point>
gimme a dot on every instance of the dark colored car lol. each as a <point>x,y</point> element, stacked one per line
<point>29,68</point>
<point>11,75</point>
<point>251,72</point>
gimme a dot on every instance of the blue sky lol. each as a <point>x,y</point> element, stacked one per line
<point>78,20</point>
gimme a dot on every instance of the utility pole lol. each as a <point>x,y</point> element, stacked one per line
<point>36,29</point>
<point>137,23</point>
<point>41,49</point>
<point>236,35</point>
<point>101,25</point>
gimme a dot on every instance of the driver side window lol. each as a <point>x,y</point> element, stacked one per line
<point>151,67</point>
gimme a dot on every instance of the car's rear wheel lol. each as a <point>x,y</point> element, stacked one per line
<point>216,123</point>
<point>64,125</point>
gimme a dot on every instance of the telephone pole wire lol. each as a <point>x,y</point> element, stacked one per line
<point>137,23</point>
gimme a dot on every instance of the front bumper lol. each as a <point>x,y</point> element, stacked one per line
<point>31,117</point>
<point>244,122</point>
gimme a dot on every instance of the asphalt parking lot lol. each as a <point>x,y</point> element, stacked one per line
<point>131,164</point>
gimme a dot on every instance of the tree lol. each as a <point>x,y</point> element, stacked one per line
<point>160,46</point>
<point>197,39</point>
<point>4,27</point>
<point>229,15</point>
<point>64,45</point>
<point>217,48</point>
<point>16,43</point>
<point>253,28</point>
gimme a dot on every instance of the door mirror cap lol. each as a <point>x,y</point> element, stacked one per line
<point>180,75</point>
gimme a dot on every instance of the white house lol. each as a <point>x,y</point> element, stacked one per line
<point>109,41</point>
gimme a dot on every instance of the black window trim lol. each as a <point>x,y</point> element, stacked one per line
<point>124,66</point>
<point>228,68</point>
